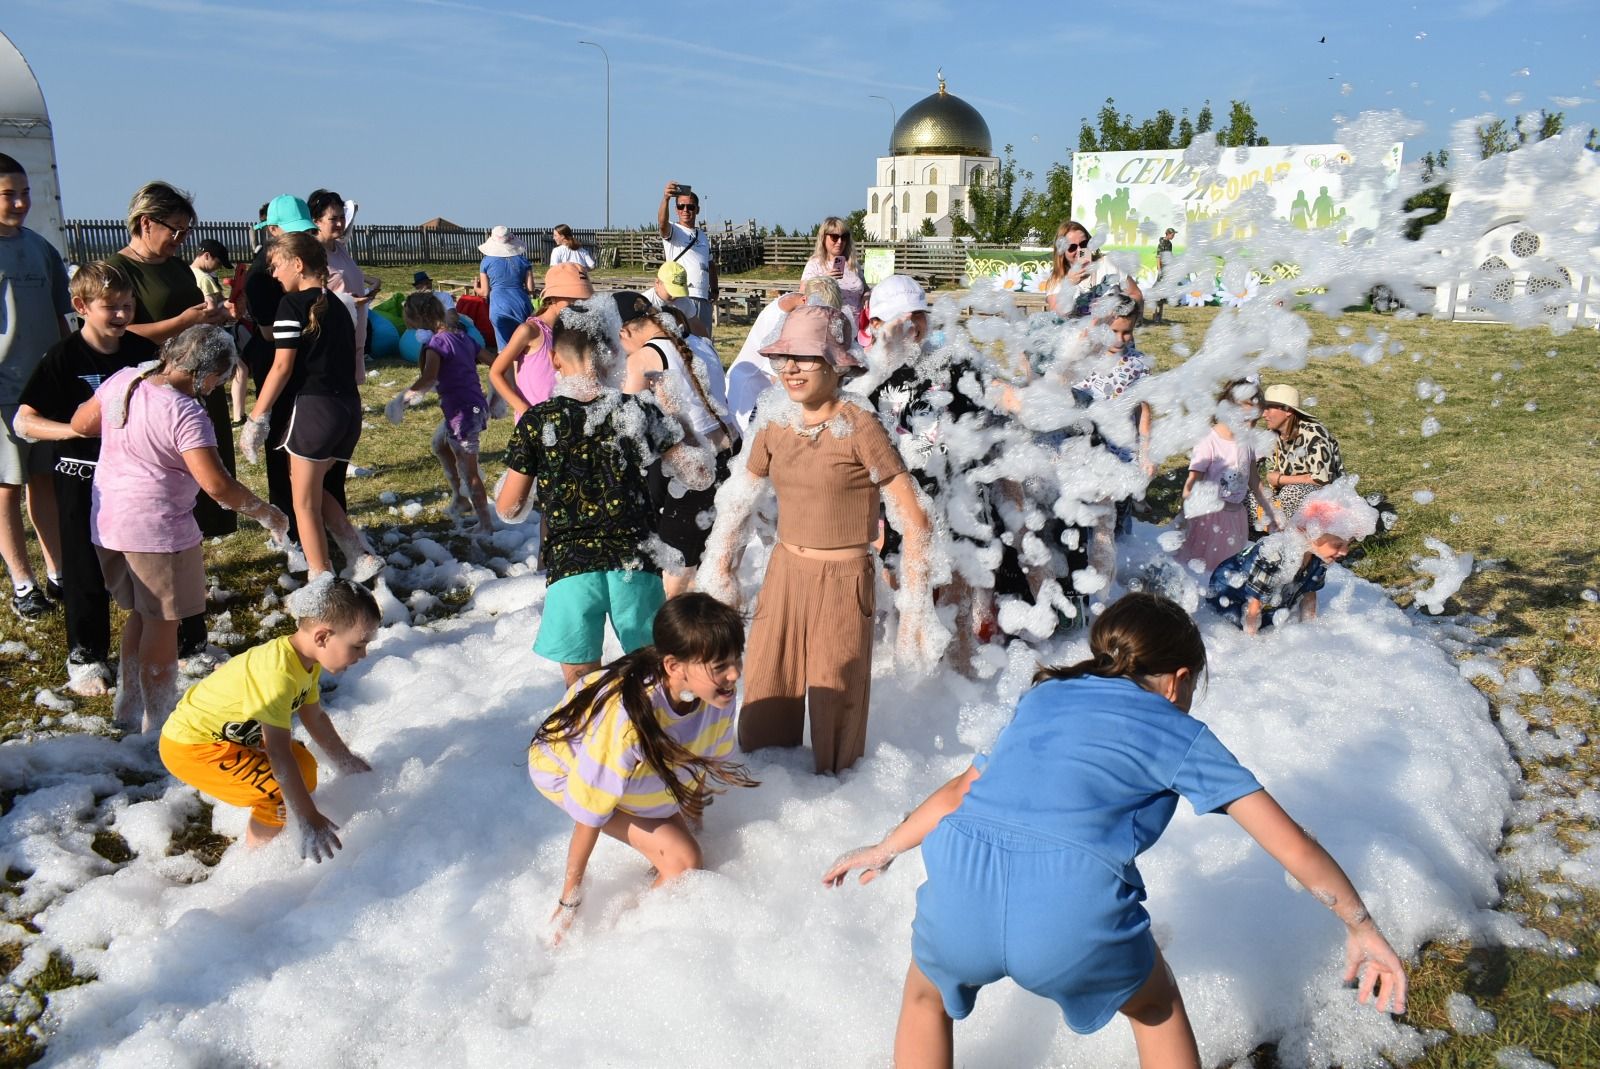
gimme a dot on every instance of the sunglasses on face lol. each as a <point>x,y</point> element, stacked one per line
<point>682,207</point>
<point>801,363</point>
<point>836,237</point>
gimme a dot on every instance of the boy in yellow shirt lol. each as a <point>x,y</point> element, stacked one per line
<point>230,735</point>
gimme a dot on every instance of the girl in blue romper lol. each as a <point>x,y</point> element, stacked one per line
<point>1030,854</point>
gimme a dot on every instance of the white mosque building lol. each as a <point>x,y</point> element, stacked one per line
<point>939,149</point>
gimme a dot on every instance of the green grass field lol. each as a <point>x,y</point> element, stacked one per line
<point>1514,473</point>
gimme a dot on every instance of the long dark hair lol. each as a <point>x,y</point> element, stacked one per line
<point>695,628</point>
<point>304,246</point>
<point>1140,635</point>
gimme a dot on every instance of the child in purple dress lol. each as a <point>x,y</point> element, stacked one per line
<point>449,363</point>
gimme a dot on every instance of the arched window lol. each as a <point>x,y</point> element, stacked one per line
<point>874,204</point>
<point>933,178</point>
<point>905,203</point>
<point>977,176</point>
<point>930,204</point>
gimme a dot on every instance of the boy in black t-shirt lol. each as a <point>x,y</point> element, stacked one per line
<point>67,377</point>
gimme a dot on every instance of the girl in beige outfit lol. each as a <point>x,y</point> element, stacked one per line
<point>827,459</point>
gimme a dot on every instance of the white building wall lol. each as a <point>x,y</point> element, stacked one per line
<point>913,178</point>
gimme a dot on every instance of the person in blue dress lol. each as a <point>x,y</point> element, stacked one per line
<point>505,280</point>
<point>1031,854</point>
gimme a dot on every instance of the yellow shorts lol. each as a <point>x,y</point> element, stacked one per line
<point>236,775</point>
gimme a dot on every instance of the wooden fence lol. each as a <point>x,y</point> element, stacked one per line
<point>738,249</point>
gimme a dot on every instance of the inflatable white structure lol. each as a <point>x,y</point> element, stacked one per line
<point>26,137</point>
<point>1526,253</point>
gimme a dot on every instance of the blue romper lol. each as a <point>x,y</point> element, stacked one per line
<point>1269,571</point>
<point>509,304</point>
<point>1033,876</point>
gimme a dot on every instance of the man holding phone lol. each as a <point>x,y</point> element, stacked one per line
<point>683,242</point>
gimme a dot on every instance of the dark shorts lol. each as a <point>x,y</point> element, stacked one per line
<point>323,428</point>
<point>684,523</point>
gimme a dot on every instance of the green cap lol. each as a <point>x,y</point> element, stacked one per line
<point>288,212</point>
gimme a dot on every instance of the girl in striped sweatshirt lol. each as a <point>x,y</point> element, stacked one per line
<point>633,748</point>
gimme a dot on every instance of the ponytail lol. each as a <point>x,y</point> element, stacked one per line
<point>692,627</point>
<point>127,398</point>
<point>1140,635</point>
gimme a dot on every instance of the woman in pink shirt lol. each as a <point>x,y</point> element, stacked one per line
<point>157,449</point>
<point>522,373</point>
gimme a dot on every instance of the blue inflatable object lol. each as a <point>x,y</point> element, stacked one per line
<point>382,339</point>
<point>410,343</point>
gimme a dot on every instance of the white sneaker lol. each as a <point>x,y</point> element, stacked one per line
<point>367,566</point>
<point>88,679</point>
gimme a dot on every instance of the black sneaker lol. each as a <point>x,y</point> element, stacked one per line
<point>32,605</point>
<point>53,590</point>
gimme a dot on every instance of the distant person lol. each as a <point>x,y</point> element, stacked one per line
<point>72,369</point>
<point>32,319</point>
<point>682,241</point>
<point>1222,473</point>
<point>1305,456</point>
<point>422,282</point>
<point>1163,261</point>
<point>449,362</point>
<point>569,250</point>
<point>1032,852</point>
<point>345,276</point>
<point>231,739</point>
<point>637,750</point>
<point>835,257</point>
<point>523,373</point>
<point>505,280</point>
<point>211,256</point>
<point>671,290</point>
<point>157,450</point>
<point>1090,276</point>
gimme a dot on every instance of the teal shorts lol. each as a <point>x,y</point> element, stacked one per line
<point>573,628</point>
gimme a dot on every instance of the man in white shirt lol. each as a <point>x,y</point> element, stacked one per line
<point>683,242</point>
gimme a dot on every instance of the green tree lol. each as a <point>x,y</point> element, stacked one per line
<point>997,212</point>
<point>1433,200</point>
<point>927,229</point>
<point>857,222</point>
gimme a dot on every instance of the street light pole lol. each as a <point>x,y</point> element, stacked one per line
<point>894,207</point>
<point>607,56</point>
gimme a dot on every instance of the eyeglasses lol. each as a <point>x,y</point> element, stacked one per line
<point>685,207</point>
<point>837,237</point>
<point>801,363</point>
<point>178,233</point>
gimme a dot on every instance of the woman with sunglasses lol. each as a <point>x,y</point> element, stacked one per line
<point>835,258</point>
<point>166,302</point>
<point>827,458</point>
<point>1083,276</point>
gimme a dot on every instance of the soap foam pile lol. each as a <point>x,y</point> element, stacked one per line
<point>421,942</point>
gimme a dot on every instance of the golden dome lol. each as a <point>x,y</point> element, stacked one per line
<point>941,125</point>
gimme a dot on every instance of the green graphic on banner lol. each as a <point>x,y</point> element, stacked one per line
<point>876,265</point>
<point>1018,270</point>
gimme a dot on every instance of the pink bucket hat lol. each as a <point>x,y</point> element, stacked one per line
<point>815,330</point>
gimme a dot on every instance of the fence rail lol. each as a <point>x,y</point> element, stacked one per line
<point>737,249</point>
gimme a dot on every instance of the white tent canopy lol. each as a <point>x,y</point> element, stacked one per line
<point>26,136</point>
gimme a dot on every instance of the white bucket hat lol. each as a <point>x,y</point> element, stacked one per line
<point>501,243</point>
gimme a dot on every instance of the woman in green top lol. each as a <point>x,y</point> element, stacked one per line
<point>166,302</point>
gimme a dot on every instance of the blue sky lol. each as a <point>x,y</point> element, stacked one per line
<point>486,111</point>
